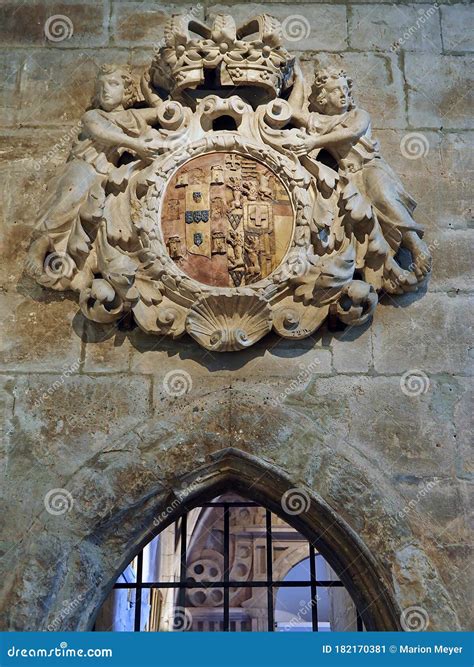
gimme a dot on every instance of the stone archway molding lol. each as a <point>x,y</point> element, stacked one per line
<point>57,577</point>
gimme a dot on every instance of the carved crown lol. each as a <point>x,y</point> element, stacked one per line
<point>221,56</point>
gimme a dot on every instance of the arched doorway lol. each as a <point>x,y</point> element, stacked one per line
<point>229,565</point>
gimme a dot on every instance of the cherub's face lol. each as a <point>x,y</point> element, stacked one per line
<point>337,96</point>
<point>111,91</point>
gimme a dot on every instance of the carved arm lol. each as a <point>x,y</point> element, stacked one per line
<point>345,133</point>
<point>297,100</point>
<point>106,132</point>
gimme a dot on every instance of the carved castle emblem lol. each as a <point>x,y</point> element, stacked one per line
<point>226,216</point>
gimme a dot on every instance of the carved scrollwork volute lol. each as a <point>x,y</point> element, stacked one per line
<point>100,302</point>
<point>357,303</point>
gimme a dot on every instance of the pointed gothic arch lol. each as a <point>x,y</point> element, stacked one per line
<point>232,469</point>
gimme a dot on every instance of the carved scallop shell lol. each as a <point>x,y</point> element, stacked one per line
<point>229,322</point>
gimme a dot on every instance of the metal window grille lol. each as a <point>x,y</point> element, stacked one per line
<point>225,584</point>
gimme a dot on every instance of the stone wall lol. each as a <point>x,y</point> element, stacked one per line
<point>87,409</point>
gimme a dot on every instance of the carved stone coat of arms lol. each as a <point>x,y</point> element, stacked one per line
<point>218,198</point>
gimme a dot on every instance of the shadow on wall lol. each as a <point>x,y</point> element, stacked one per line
<point>92,333</point>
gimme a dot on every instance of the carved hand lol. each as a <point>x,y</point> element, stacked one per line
<point>146,148</point>
<point>305,146</point>
<point>148,93</point>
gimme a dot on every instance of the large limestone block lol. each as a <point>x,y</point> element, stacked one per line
<point>37,333</point>
<point>106,346</point>
<point>10,68</point>
<point>142,24</point>
<point>452,257</point>
<point>75,24</point>
<point>431,334</point>
<point>64,420</point>
<point>56,86</point>
<point>352,349</point>
<point>437,169</point>
<point>395,27</point>
<point>457,27</point>
<point>439,90</point>
<point>376,418</point>
<point>27,162</point>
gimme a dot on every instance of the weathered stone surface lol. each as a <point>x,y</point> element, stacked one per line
<point>459,557</point>
<point>26,164</point>
<point>58,86</point>
<point>401,2</point>
<point>7,402</point>
<point>436,500</point>
<point>395,27</point>
<point>437,172</point>
<point>352,349</point>
<point>407,432</point>
<point>37,333</point>
<point>439,90</point>
<point>464,451</point>
<point>457,27</point>
<point>432,335</point>
<point>52,23</point>
<point>306,27</point>
<point>104,414</point>
<point>107,348</point>
<point>10,68</point>
<point>412,575</point>
<point>452,260</point>
<point>142,24</point>
<point>371,72</point>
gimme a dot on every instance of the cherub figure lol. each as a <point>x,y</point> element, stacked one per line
<point>334,123</point>
<point>68,219</point>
